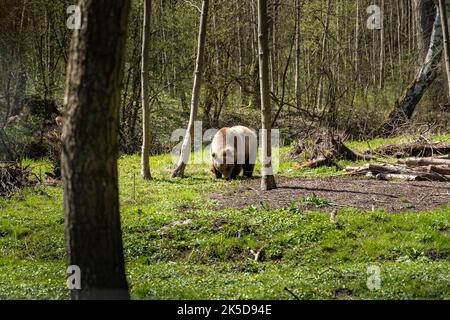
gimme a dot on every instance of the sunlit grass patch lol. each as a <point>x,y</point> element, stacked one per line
<point>178,245</point>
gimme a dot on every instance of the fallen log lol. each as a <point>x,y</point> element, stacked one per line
<point>355,169</point>
<point>440,169</point>
<point>423,169</point>
<point>370,175</point>
<point>390,168</point>
<point>352,169</point>
<point>315,163</point>
<point>419,176</point>
<point>393,176</point>
<point>420,162</point>
<point>345,153</point>
<point>432,176</point>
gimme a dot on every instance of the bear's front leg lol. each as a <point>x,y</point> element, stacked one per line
<point>217,173</point>
<point>248,170</point>
<point>236,171</point>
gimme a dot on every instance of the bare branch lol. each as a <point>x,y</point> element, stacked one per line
<point>193,5</point>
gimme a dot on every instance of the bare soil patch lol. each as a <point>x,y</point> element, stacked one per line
<point>353,192</point>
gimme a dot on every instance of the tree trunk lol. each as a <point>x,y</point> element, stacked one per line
<point>382,47</point>
<point>241,43</point>
<point>357,53</point>
<point>267,180</point>
<point>273,58</point>
<point>406,104</point>
<point>444,22</point>
<point>425,18</point>
<point>298,96</point>
<point>146,133</point>
<point>20,92</point>
<point>187,143</point>
<point>90,150</point>
<point>323,56</point>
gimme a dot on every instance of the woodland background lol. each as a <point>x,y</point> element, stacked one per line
<point>327,69</point>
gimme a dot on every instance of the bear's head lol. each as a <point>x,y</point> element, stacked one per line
<point>224,160</point>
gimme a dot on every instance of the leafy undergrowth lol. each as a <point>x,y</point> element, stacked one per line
<point>178,246</point>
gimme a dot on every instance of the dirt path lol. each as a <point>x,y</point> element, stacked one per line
<point>358,193</point>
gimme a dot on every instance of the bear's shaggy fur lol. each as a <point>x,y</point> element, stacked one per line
<point>233,150</point>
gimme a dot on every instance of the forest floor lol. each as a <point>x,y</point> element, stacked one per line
<point>332,193</point>
<point>195,238</point>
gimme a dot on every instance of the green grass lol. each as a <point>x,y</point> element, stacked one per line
<point>315,201</point>
<point>179,246</point>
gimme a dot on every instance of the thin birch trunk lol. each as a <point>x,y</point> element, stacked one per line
<point>187,143</point>
<point>298,96</point>
<point>446,44</point>
<point>323,56</point>
<point>406,104</point>
<point>268,179</point>
<point>382,47</point>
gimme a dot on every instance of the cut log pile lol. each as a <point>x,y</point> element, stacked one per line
<point>411,169</point>
<point>430,162</point>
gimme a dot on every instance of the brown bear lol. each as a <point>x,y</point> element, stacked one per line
<point>233,150</point>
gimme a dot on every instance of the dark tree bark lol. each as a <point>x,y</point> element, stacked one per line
<point>187,142</point>
<point>90,150</point>
<point>267,180</point>
<point>146,133</point>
